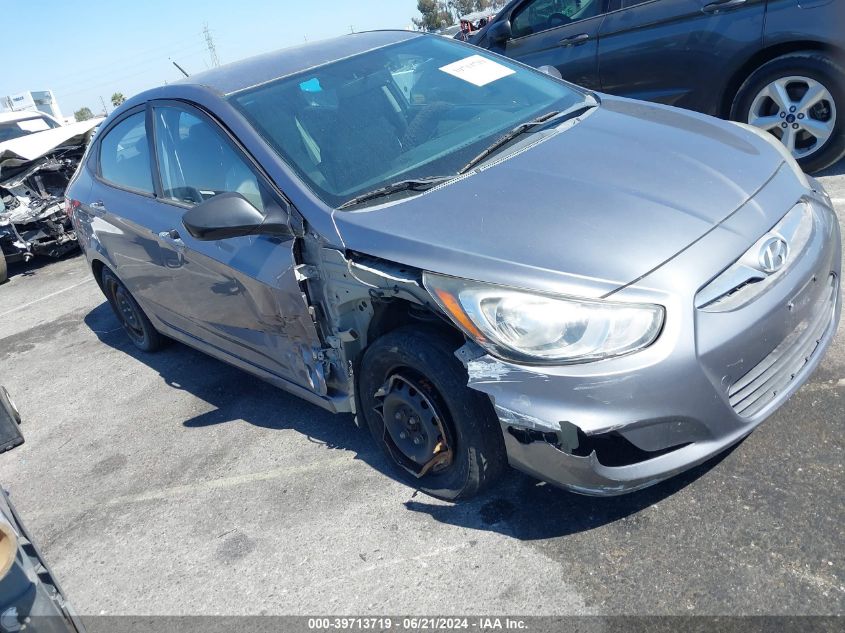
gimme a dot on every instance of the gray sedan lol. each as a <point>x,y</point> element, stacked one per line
<point>483,263</point>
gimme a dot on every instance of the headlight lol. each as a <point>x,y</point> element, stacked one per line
<point>524,326</point>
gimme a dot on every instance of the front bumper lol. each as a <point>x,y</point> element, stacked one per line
<point>624,424</point>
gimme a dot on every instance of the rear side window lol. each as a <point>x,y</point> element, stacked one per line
<point>125,155</point>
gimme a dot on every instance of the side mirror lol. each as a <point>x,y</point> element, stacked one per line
<point>231,215</point>
<point>499,32</point>
<point>551,71</point>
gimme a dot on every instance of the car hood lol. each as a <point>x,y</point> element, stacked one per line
<point>33,146</point>
<point>598,205</point>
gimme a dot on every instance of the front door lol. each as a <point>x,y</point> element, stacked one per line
<point>238,295</point>
<point>559,33</point>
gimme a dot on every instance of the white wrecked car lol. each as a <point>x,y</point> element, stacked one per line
<point>38,156</point>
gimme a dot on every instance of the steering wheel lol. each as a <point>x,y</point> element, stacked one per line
<point>557,19</point>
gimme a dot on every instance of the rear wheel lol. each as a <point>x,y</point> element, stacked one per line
<point>800,99</point>
<point>442,436</point>
<point>135,323</point>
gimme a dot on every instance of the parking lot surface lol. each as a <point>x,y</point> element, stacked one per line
<point>172,483</point>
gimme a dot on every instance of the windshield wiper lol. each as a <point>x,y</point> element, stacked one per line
<point>555,116</point>
<point>412,184</point>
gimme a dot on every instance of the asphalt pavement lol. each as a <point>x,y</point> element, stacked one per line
<point>172,484</point>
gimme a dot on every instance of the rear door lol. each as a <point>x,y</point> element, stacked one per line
<point>238,295</point>
<point>679,52</point>
<point>121,212</point>
<point>559,33</point>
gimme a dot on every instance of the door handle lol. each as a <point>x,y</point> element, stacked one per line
<point>575,40</point>
<point>172,237</point>
<point>715,7</point>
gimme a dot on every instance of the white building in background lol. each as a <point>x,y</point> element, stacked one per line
<point>42,100</point>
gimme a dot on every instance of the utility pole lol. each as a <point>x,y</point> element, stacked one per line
<point>103,101</point>
<point>209,42</point>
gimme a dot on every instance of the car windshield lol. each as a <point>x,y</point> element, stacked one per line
<point>15,129</point>
<point>418,109</point>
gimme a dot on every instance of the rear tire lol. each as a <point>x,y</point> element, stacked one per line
<point>771,98</point>
<point>411,377</point>
<point>135,323</point>
<point>4,271</point>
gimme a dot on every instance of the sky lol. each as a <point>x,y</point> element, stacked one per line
<point>84,50</point>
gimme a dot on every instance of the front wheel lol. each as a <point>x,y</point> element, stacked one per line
<point>442,436</point>
<point>800,99</point>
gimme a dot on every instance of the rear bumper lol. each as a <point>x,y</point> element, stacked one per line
<point>627,423</point>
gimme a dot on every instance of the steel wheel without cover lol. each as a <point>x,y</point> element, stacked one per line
<point>799,111</point>
<point>135,323</point>
<point>415,430</point>
<point>126,312</point>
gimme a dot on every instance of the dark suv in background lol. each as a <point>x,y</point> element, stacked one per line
<point>775,64</point>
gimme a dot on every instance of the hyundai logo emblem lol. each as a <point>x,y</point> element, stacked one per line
<point>773,254</point>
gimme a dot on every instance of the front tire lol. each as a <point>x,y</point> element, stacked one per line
<point>135,323</point>
<point>800,99</point>
<point>442,436</point>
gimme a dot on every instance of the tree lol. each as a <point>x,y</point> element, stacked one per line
<point>83,114</point>
<point>462,7</point>
<point>117,99</point>
<point>434,15</point>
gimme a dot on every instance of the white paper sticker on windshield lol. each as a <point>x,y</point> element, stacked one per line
<point>477,70</point>
<point>33,125</point>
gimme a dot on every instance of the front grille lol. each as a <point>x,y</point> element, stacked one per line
<point>760,386</point>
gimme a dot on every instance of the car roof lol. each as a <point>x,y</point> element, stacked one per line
<point>262,69</point>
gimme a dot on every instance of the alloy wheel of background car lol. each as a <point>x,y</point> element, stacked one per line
<point>135,323</point>
<point>800,99</point>
<point>443,436</point>
<point>798,110</point>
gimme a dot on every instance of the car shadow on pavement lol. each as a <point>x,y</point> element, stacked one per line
<point>518,506</point>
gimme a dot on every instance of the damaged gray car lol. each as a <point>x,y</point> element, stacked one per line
<point>484,264</point>
<point>38,157</point>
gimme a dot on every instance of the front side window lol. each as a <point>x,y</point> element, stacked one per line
<point>420,108</point>
<point>125,155</point>
<point>541,15</point>
<point>196,161</point>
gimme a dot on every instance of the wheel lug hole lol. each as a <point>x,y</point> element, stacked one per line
<point>792,108</point>
<point>417,441</point>
<point>403,435</point>
<point>783,115</point>
<point>794,126</point>
<point>784,125</point>
<point>800,116</point>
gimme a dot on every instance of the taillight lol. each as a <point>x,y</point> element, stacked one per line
<point>70,205</point>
